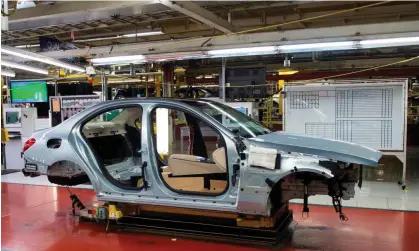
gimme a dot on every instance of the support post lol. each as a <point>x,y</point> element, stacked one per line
<point>168,79</point>
<point>56,89</point>
<point>104,86</point>
<point>4,132</point>
<point>131,69</point>
<point>223,79</point>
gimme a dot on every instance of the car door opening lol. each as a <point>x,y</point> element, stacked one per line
<point>115,138</point>
<point>195,160</point>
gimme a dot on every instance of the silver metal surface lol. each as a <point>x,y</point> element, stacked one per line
<point>250,194</point>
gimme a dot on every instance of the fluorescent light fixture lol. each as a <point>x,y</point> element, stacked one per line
<point>119,59</point>
<point>390,41</point>
<point>120,81</point>
<point>317,46</point>
<point>350,45</point>
<point>94,39</point>
<point>24,67</point>
<point>8,73</point>
<point>175,56</point>
<point>138,34</point>
<point>243,51</point>
<point>27,46</point>
<point>36,57</point>
<point>143,34</point>
<point>326,46</point>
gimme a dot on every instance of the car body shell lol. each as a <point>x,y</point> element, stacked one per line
<point>249,195</point>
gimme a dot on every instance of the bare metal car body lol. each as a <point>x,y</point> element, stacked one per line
<point>320,164</point>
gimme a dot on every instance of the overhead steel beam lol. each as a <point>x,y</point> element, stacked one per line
<point>394,73</point>
<point>197,12</point>
<point>369,31</point>
<point>74,12</point>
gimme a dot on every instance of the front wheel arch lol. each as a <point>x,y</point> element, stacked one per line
<point>275,194</point>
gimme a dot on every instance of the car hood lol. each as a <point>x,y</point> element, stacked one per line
<point>327,148</point>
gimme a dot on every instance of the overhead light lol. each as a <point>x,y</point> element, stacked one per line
<point>119,59</point>
<point>389,42</point>
<point>36,57</point>
<point>94,39</point>
<point>243,51</point>
<point>138,34</point>
<point>120,81</point>
<point>143,34</point>
<point>27,46</point>
<point>350,45</point>
<point>326,46</point>
<point>24,67</point>
<point>8,73</point>
<point>317,46</point>
<point>175,56</point>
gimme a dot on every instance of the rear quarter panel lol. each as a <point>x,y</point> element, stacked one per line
<point>44,157</point>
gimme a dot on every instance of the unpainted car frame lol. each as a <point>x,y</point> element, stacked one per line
<point>308,165</point>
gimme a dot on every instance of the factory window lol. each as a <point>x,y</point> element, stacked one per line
<point>115,138</point>
<point>190,153</point>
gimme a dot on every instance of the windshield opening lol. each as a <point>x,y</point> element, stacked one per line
<point>238,122</point>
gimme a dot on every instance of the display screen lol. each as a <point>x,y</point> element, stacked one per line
<point>29,91</point>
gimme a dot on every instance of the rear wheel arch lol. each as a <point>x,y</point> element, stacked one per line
<point>67,173</point>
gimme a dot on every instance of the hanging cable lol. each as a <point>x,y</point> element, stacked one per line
<point>75,202</point>
<point>364,70</point>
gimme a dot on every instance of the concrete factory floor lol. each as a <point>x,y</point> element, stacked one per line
<point>38,218</point>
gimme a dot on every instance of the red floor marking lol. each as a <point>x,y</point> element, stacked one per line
<point>37,218</point>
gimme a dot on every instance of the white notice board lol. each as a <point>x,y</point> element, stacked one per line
<point>370,114</point>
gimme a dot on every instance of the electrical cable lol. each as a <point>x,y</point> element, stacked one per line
<point>107,226</point>
<point>310,18</point>
<point>364,70</point>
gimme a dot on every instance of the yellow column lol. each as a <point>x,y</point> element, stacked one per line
<point>4,133</point>
<point>157,85</point>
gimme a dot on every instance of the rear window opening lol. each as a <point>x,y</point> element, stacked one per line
<point>112,149</point>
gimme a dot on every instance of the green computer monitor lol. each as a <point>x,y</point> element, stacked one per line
<point>29,91</point>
